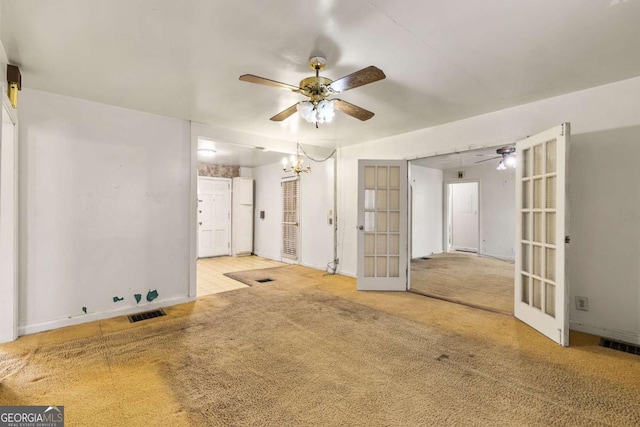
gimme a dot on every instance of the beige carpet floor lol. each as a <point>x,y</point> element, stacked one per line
<point>306,349</point>
<point>465,278</point>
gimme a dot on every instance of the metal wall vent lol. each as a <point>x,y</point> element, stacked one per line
<point>146,315</point>
<point>264,280</point>
<point>620,346</point>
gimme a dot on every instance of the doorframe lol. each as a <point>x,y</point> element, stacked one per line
<point>9,227</point>
<point>215,178</point>
<point>445,214</point>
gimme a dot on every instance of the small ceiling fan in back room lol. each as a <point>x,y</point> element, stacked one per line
<point>320,108</point>
<point>507,156</point>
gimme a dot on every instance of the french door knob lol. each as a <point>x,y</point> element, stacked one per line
<point>361,227</point>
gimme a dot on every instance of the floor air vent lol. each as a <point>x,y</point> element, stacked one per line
<point>264,280</point>
<point>147,315</point>
<point>620,346</point>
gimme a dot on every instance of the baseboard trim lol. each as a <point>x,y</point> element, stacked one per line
<point>277,258</point>
<point>86,318</point>
<point>624,336</point>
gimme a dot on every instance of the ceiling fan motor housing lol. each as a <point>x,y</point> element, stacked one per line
<point>316,88</point>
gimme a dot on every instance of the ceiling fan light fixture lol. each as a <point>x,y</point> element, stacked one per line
<point>321,112</point>
<point>501,165</point>
<point>510,161</point>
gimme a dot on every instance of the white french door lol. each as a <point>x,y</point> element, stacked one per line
<point>214,217</point>
<point>541,289</point>
<point>382,225</point>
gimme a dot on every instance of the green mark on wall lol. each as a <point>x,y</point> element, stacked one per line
<point>138,297</point>
<point>151,295</point>
<point>116,299</point>
<point>84,309</point>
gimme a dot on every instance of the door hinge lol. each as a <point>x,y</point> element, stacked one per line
<point>567,239</point>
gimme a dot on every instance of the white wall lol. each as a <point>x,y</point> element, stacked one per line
<point>316,199</point>
<point>604,254</point>
<point>497,206</point>
<point>426,229</point>
<point>104,210</point>
<point>611,107</point>
<point>267,234</point>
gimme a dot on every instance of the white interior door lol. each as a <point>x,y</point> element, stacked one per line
<point>464,216</point>
<point>541,288</point>
<point>382,225</point>
<point>214,217</point>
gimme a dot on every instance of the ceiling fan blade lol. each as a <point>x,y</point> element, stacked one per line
<point>352,110</point>
<point>284,114</point>
<point>365,76</point>
<point>486,160</point>
<point>250,78</point>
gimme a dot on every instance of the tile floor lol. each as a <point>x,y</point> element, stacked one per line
<point>210,271</point>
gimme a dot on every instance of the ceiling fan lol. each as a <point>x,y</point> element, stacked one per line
<point>507,156</point>
<point>320,109</point>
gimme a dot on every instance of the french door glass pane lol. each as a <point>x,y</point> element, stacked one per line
<point>550,267</point>
<point>526,194</point>
<point>382,176</point>
<point>394,177</point>
<point>537,227</point>
<point>525,288</point>
<point>537,294</point>
<point>369,221</point>
<point>537,160</point>
<point>551,192</point>
<point>551,156</point>
<point>394,221</point>
<point>394,199</point>
<point>370,177</point>
<point>382,222</point>
<point>537,261</point>
<point>369,244</point>
<point>381,263</point>
<point>382,200</point>
<point>551,228</point>
<point>526,233</point>
<point>526,163</point>
<point>369,199</point>
<point>550,300</point>
<point>525,258</point>
<point>369,266</point>
<point>394,244</point>
<point>382,244</point>
<point>537,193</point>
<point>394,266</point>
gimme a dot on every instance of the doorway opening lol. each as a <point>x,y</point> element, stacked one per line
<point>224,214</point>
<point>462,230</point>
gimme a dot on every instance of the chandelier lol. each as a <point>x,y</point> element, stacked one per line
<point>296,164</point>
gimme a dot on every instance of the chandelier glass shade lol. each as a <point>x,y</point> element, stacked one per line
<point>316,111</point>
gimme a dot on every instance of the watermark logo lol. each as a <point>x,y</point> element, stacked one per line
<point>31,416</point>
